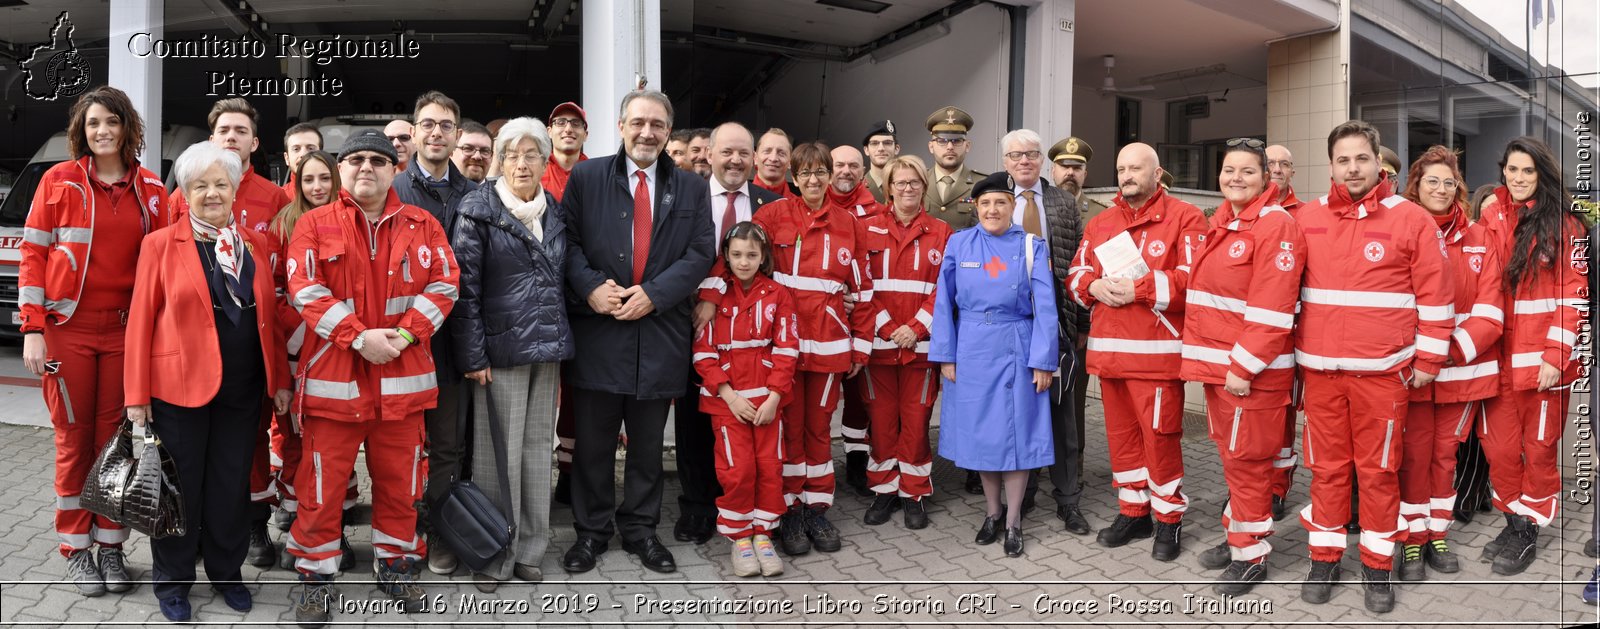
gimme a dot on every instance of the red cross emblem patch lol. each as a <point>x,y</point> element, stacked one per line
<point>1237,249</point>
<point>1373,251</point>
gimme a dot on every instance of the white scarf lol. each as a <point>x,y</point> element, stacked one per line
<point>531,213</point>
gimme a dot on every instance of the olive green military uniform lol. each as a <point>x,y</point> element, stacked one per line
<point>955,205</point>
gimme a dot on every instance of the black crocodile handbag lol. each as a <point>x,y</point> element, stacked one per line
<point>108,478</point>
<point>141,493</point>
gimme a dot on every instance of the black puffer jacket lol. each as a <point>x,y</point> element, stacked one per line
<point>512,309</point>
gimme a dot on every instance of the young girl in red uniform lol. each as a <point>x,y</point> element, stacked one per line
<point>746,359</point>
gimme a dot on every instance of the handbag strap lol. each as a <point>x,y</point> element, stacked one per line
<point>496,434</point>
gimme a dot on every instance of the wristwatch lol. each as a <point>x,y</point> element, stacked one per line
<point>360,342</point>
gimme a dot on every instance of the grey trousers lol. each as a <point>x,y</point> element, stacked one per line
<point>521,401</point>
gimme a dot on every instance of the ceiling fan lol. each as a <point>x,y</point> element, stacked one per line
<point>1109,84</point>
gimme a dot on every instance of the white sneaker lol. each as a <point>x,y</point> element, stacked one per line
<point>767,556</point>
<point>744,559</point>
<point>441,560</point>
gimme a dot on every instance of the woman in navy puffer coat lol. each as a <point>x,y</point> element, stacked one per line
<point>511,331</point>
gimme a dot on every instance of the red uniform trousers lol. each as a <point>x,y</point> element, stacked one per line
<point>1286,460</point>
<point>85,401</point>
<point>857,417</point>
<point>398,470</point>
<point>1248,440</point>
<point>900,400</point>
<point>1353,429</point>
<point>1144,428</point>
<point>1428,466</point>
<point>286,454</point>
<point>807,443</point>
<point>1521,439</point>
<point>262,490</point>
<point>751,474</point>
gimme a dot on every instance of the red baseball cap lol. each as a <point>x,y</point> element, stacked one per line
<point>570,106</point>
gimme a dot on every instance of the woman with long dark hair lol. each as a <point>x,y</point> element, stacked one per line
<point>74,308</point>
<point>1442,414</point>
<point>1529,222</point>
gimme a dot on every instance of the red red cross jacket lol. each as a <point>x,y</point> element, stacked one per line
<point>817,254</point>
<point>1473,372</point>
<point>859,202</point>
<point>1242,297</point>
<point>1377,295</point>
<point>903,261</point>
<point>57,234</point>
<point>1547,310</point>
<point>1144,339</point>
<point>408,280</point>
<point>750,345</point>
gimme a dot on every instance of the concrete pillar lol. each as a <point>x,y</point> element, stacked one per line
<point>621,48</point>
<point>1047,77</point>
<point>298,106</point>
<point>140,78</point>
<point>1308,94</point>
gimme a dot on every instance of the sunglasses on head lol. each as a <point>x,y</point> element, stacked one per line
<point>1251,143</point>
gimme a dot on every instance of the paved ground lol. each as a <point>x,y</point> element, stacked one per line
<point>884,575</point>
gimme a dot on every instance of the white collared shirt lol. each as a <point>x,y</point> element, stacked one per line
<point>649,181</point>
<point>719,205</point>
<point>1038,202</point>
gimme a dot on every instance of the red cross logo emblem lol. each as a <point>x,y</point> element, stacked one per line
<point>1236,249</point>
<point>226,247</point>
<point>1373,251</point>
<point>994,267</point>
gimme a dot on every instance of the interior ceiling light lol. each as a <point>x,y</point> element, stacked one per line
<point>865,6</point>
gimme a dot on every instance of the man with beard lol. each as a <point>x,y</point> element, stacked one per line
<point>733,201</point>
<point>772,163</point>
<point>637,277</point>
<point>432,183</point>
<point>1069,166</point>
<point>569,130</point>
<point>949,198</point>
<point>399,133</point>
<point>699,152</point>
<point>473,151</point>
<point>678,149</point>
<point>847,192</point>
<point>881,145</point>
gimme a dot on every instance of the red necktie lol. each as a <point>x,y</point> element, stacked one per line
<point>729,216</point>
<point>641,228</point>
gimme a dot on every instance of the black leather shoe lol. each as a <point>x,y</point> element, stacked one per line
<point>916,513</point>
<point>974,483</point>
<point>792,536</point>
<point>855,474</point>
<point>652,554</point>
<point>1277,508</point>
<point>824,537</point>
<point>1073,519</point>
<point>1412,567</point>
<point>563,492</point>
<point>1240,577</point>
<point>1379,597</point>
<point>1125,529</point>
<point>1492,549</point>
<point>1169,541</point>
<point>1013,543</point>
<point>1439,558</point>
<point>694,528</point>
<point>989,531</point>
<point>1519,550</point>
<point>1219,556</point>
<point>882,507</point>
<point>261,552</point>
<point>583,555</point>
<point>1318,586</point>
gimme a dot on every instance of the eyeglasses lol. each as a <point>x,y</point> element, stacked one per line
<point>1251,143</point>
<point>427,124</point>
<point>1016,156</point>
<point>1279,163</point>
<point>377,161</point>
<point>909,184</point>
<point>526,158</point>
<point>949,141</point>
<point>404,137</point>
<point>482,151</point>
<point>808,174</point>
<point>568,122</point>
<point>1435,182</point>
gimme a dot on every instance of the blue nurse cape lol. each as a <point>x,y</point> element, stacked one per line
<point>997,324</point>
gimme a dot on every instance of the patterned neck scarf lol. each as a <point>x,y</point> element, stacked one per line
<point>233,263</point>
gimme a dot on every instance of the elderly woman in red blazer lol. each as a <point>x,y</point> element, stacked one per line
<point>204,351</point>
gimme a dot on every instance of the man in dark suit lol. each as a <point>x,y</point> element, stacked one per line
<point>641,239</point>
<point>733,201</point>
<point>1050,213</point>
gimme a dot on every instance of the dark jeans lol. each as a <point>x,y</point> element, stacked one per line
<point>697,471</point>
<point>596,513</point>
<point>212,447</point>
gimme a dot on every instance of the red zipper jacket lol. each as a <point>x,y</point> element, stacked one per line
<point>58,235</point>
<point>1144,339</point>
<point>817,254</point>
<point>859,202</point>
<point>1377,295</point>
<point>1242,298</point>
<point>1477,268</point>
<point>903,261</point>
<point>750,345</point>
<point>1547,310</point>
<point>408,280</point>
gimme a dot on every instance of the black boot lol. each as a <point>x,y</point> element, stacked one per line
<point>882,506</point>
<point>314,607</point>
<point>855,473</point>
<point>262,553</point>
<point>1219,556</point>
<point>1125,529</point>
<point>563,493</point>
<point>1277,508</point>
<point>1519,550</point>
<point>1380,593</point>
<point>1169,541</point>
<point>1492,549</point>
<point>1412,566</point>
<point>792,531</point>
<point>824,537</point>
<point>974,483</point>
<point>1318,586</point>
<point>1439,557</point>
<point>1240,577</point>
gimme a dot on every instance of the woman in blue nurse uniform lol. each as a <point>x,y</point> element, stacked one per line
<point>994,332</point>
